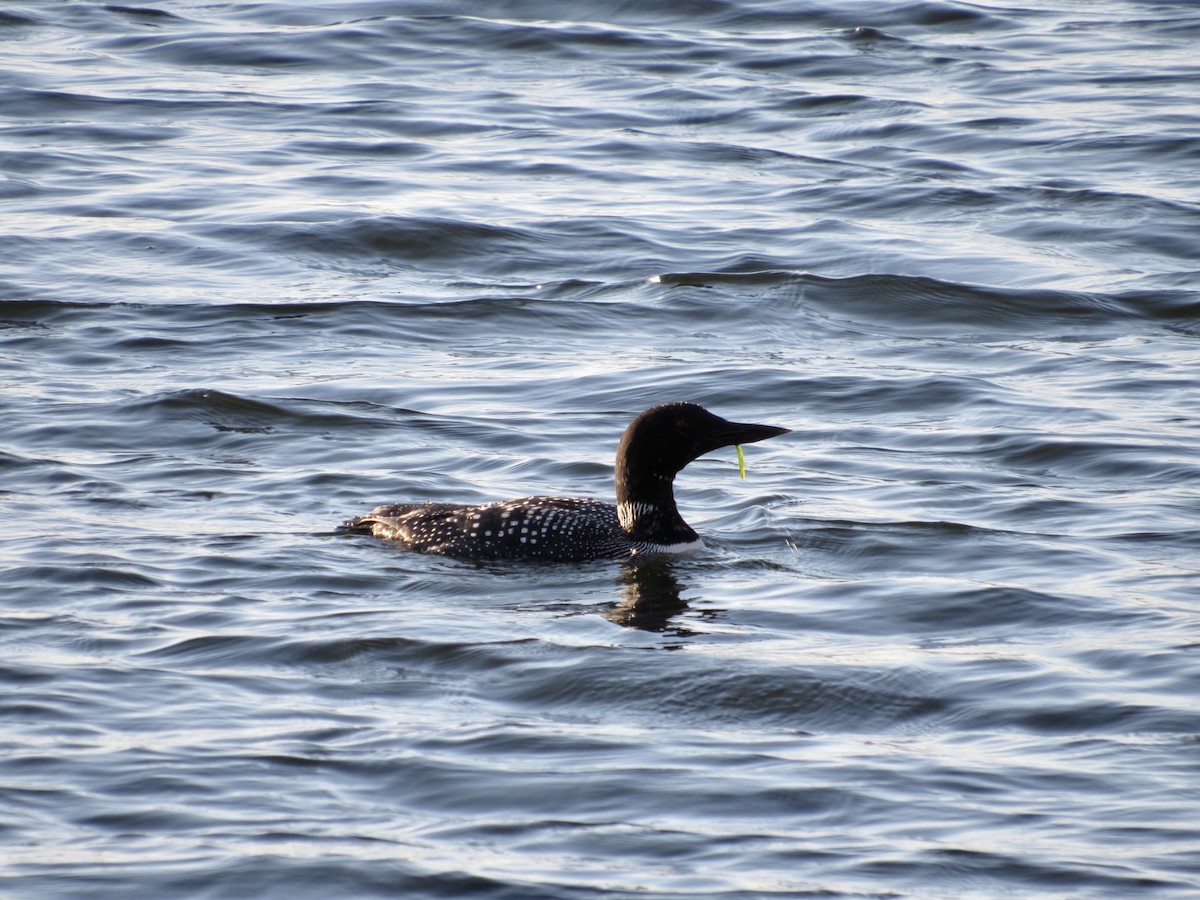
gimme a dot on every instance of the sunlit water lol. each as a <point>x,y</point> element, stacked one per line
<point>266,265</point>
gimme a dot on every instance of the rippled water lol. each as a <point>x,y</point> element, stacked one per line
<point>265,265</point>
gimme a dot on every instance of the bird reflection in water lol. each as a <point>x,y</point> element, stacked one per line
<point>650,597</point>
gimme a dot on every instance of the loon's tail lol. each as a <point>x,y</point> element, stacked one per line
<point>357,525</point>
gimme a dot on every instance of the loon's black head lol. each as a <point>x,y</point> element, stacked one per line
<point>664,439</point>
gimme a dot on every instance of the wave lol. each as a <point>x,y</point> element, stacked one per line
<point>917,304</point>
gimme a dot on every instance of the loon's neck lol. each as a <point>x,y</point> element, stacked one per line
<point>646,508</point>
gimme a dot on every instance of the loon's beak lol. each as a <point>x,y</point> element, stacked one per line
<point>745,433</point>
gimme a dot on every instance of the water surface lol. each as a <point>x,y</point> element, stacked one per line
<point>266,265</point>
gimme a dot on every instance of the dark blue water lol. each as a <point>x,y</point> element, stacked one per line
<point>265,265</point>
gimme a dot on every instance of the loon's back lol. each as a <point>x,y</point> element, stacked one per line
<point>558,529</point>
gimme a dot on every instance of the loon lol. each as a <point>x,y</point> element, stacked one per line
<point>655,447</point>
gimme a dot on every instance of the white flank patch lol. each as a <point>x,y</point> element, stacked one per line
<point>675,549</point>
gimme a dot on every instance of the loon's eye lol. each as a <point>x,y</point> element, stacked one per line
<point>682,426</point>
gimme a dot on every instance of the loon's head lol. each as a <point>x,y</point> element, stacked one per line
<point>664,439</point>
